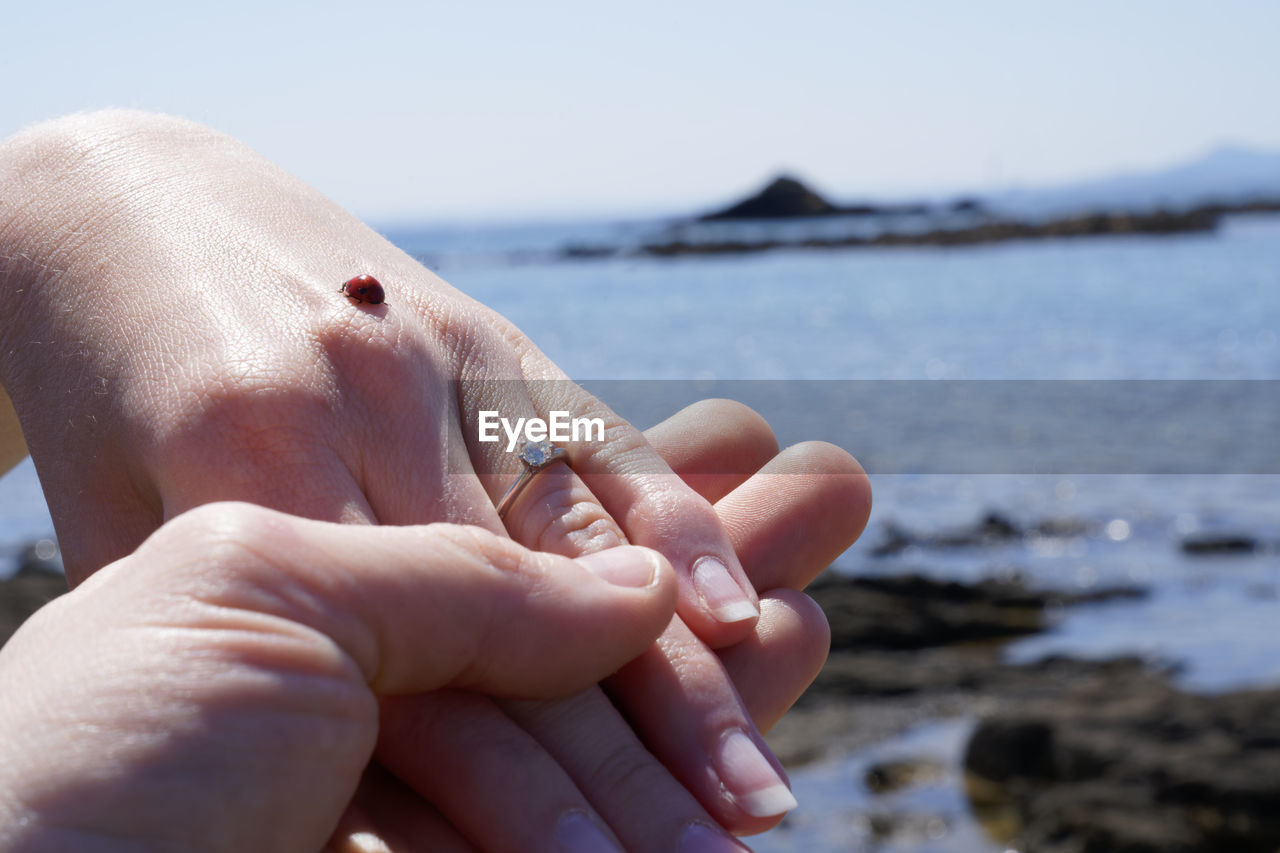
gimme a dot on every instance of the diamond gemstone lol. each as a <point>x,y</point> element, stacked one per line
<point>535,454</point>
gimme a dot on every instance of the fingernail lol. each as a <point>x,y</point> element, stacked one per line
<point>626,565</point>
<point>577,833</point>
<point>720,592</point>
<point>367,842</point>
<point>700,838</point>
<point>750,779</point>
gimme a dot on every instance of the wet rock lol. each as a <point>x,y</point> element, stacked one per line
<point>1135,764</point>
<point>901,828</point>
<point>971,669</point>
<point>1219,543</point>
<point>967,204</point>
<point>912,611</point>
<point>37,582</point>
<point>885,777</point>
<point>1060,528</point>
<point>992,529</point>
<point>582,251</point>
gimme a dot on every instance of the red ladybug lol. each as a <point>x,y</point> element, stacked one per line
<point>364,288</point>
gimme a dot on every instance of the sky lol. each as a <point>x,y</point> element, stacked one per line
<point>509,111</point>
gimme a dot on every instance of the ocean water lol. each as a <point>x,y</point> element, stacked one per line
<point>1204,308</point>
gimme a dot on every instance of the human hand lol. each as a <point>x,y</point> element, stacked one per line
<point>180,294</point>
<point>788,520</point>
<point>216,619</point>
<point>218,689</point>
<point>176,335</point>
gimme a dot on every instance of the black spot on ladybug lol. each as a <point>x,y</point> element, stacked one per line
<point>364,288</point>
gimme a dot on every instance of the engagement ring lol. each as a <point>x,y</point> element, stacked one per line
<point>534,455</point>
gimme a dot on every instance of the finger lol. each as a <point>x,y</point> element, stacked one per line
<point>683,705</point>
<point>553,510</point>
<point>773,667</point>
<point>811,485</point>
<point>630,788</point>
<point>457,750</point>
<point>386,816</point>
<point>528,522</point>
<point>796,515</point>
<point>714,445</point>
<point>654,507</point>
<point>440,605</point>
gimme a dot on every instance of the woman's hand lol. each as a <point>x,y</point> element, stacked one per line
<point>175,335</point>
<point>217,690</point>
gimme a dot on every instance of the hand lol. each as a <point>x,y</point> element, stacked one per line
<point>788,521</point>
<point>278,632</point>
<point>217,690</point>
<point>179,340</point>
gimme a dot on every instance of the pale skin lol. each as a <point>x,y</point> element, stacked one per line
<point>280,635</point>
<point>175,338</point>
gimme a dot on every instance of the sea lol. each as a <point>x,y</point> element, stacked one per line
<point>1125,388</point>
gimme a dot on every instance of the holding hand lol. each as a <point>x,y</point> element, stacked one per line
<point>217,690</point>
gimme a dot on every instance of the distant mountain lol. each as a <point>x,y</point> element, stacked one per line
<point>1230,175</point>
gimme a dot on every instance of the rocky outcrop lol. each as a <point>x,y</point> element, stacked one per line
<point>990,230</point>
<point>37,581</point>
<point>783,198</point>
<point>1219,543</point>
<point>1135,765</point>
<point>912,611</point>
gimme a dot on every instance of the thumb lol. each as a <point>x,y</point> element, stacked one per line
<point>440,605</point>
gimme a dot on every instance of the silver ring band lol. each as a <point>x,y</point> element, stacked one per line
<point>534,455</point>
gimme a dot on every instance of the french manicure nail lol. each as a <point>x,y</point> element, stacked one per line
<point>577,833</point>
<point>625,565</point>
<point>720,592</point>
<point>367,842</point>
<point>750,779</point>
<point>700,838</point>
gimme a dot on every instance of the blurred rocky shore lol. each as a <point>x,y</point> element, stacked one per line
<point>1067,755</point>
<point>38,579</point>
<point>967,221</point>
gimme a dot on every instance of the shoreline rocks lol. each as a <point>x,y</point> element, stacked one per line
<point>912,611</point>
<point>961,222</point>
<point>37,581</point>
<point>1066,755</point>
<point>1134,766</point>
<point>991,230</point>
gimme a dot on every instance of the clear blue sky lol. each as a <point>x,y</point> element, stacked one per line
<point>440,110</point>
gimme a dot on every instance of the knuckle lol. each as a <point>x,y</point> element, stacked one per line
<point>477,547</point>
<point>569,522</point>
<point>626,772</point>
<point>375,360</point>
<point>226,533</point>
<point>624,449</point>
<point>473,337</point>
<point>743,417</point>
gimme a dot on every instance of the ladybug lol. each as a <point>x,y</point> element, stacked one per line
<point>364,288</point>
